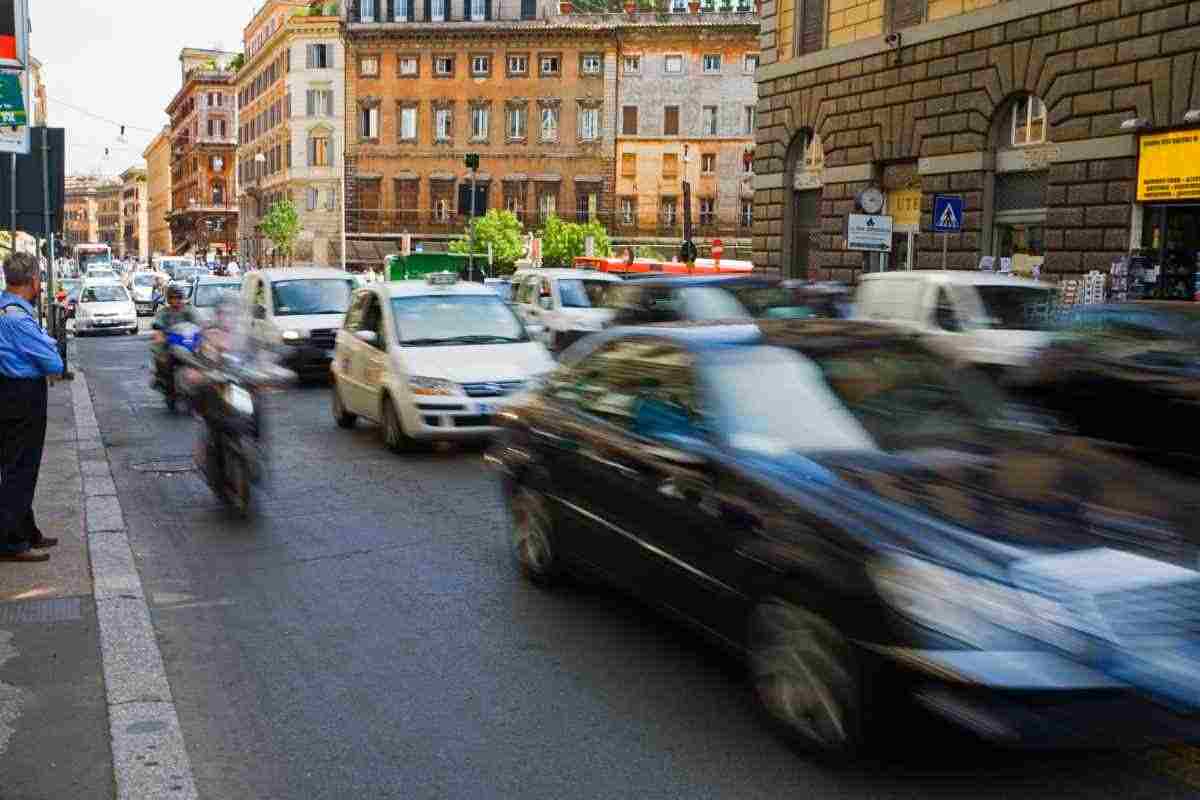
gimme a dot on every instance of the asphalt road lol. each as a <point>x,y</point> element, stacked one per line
<point>365,635</point>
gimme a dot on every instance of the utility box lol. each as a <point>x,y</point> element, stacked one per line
<point>418,265</point>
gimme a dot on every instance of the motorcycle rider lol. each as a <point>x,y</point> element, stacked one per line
<point>170,315</point>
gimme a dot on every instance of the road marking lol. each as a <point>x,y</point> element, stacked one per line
<point>149,756</point>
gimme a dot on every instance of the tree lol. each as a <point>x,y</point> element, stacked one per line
<point>563,241</point>
<point>237,62</point>
<point>282,225</point>
<point>502,230</point>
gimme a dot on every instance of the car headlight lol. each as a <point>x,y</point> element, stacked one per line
<point>434,387</point>
<point>292,336</point>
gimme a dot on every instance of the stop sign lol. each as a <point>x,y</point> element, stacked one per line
<point>718,249</point>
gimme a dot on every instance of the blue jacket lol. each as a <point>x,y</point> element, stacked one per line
<point>25,349</point>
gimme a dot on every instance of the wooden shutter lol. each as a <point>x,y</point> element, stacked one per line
<point>629,120</point>
<point>671,121</point>
<point>811,30</point>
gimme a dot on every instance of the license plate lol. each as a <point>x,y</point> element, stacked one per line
<point>104,323</point>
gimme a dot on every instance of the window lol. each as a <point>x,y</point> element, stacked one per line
<point>479,122</point>
<point>668,211</point>
<point>709,117</point>
<point>319,102</point>
<point>518,122</point>
<point>631,65</point>
<point>585,206</point>
<point>366,11</point>
<point>443,66</point>
<point>671,121</point>
<point>589,124</point>
<point>678,6</point>
<point>518,65</point>
<point>712,64</point>
<point>407,66</point>
<point>402,10</point>
<point>629,165</point>
<point>368,66</point>
<point>318,150</point>
<point>331,200</point>
<point>547,206</point>
<point>443,124</point>
<point>747,213</point>
<point>750,63</point>
<point>629,121</point>
<point>707,211</point>
<point>1028,121</point>
<point>670,162</point>
<point>311,198</point>
<point>550,66</point>
<point>591,64</point>
<point>437,10</point>
<point>478,11</point>
<point>481,66</point>
<point>708,163</point>
<point>441,209</point>
<point>212,127</point>
<point>549,124</point>
<point>318,56</point>
<point>368,123</point>
<point>627,211</point>
<point>748,120</point>
<point>673,65</point>
<point>408,123</point>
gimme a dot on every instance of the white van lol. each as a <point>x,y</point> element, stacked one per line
<point>559,306</point>
<point>985,319</point>
<point>301,308</point>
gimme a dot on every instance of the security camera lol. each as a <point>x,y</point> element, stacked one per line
<point>892,40</point>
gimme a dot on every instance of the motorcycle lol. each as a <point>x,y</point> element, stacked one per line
<point>180,341</point>
<point>228,398</point>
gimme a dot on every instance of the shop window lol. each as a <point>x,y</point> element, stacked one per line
<point>1028,121</point>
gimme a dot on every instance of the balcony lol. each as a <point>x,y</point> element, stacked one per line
<point>392,222</point>
<point>195,207</point>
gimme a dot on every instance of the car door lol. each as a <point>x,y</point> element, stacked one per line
<point>371,357</point>
<point>344,356</point>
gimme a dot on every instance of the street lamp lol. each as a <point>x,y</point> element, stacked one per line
<point>687,253</point>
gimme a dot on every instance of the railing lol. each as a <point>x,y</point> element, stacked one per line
<point>205,208</point>
<point>393,222</point>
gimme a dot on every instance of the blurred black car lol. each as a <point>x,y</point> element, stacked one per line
<point>1127,373</point>
<point>673,298</point>
<point>866,527</point>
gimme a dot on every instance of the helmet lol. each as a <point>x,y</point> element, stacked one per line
<point>175,291</point>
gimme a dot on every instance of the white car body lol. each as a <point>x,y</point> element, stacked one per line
<point>103,317</point>
<point>102,274</point>
<point>143,295</point>
<point>537,298</point>
<point>912,300</point>
<point>475,381</point>
<point>310,336</point>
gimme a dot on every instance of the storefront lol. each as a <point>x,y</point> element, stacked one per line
<point>1168,189</point>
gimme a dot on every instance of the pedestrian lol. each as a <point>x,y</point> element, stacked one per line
<point>27,358</point>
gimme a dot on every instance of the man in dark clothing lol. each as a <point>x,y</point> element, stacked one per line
<point>27,357</point>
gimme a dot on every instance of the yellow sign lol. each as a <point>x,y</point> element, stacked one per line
<point>904,207</point>
<point>1169,166</point>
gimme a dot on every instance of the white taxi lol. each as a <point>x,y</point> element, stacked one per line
<point>431,359</point>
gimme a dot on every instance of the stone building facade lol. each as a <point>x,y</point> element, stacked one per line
<point>1031,110</point>
<point>685,111</point>
<point>291,106</point>
<point>135,216</point>
<point>108,214</point>
<point>158,190</point>
<point>81,210</point>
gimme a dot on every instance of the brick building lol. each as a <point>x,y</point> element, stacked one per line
<point>1032,110</point>
<point>204,214</point>
<point>291,106</point>
<point>158,192</point>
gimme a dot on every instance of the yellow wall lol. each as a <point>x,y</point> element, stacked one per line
<point>851,20</point>
<point>938,9</point>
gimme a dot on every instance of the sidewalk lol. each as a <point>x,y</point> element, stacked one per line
<point>54,729</point>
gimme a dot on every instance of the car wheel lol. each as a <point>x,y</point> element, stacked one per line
<point>532,536</point>
<point>343,418</point>
<point>393,429</point>
<point>805,678</point>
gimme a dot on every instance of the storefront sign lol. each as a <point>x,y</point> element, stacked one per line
<point>871,232</point>
<point>1169,166</point>
<point>904,205</point>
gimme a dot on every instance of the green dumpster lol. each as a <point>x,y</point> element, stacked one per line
<point>418,265</point>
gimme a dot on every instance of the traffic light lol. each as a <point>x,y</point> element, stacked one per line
<point>472,160</point>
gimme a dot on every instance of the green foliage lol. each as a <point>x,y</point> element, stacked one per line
<point>237,62</point>
<point>503,231</point>
<point>282,225</point>
<point>563,241</point>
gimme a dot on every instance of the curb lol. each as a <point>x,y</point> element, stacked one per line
<point>149,757</point>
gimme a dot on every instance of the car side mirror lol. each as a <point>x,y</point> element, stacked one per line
<point>370,337</point>
<point>546,303</point>
<point>260,312</point>
<point>947,319</point>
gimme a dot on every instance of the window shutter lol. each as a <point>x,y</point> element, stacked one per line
<point>487,9</point>
<point>408,9</point>
<point>309,56</point>
<point>428,10</point>
<point>812,26</point>
<point>310,106</point>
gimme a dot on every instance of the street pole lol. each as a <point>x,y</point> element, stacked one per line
<point>471,241</point>
<point>50,280</point>
<point>345,211</point>
<point>12,197</point>
<point>944,245</point>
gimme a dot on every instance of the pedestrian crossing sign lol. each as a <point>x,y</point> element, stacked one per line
<point>947,213</point>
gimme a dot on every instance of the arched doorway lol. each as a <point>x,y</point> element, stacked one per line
<point>803,164</point>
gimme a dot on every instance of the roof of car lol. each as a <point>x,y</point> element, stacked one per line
<point>807,335</point>
<point>300,273</point>
<point>957,276</point>
<point>557,272</point>
<point>420,287</point>
<point>700,280</point>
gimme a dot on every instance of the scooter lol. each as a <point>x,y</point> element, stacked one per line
<point>182,340</point>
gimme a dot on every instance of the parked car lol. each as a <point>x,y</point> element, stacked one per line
<point>988,320</point>
<point>561,305</point>
<point>868,527</point>
<point>300,309</point>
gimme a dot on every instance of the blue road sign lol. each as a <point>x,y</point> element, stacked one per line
<point>947,213</point>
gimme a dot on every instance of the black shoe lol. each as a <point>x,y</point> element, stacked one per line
<point>44,542</point>
<point>26,557</point>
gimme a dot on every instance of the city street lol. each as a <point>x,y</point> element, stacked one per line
<point>365,634</point>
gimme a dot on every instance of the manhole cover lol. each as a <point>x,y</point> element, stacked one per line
<point>165,465</point>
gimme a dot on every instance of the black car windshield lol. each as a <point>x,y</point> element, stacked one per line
<point>1016,307</point>
<point>427,321</point>
<point>781,302</point>
<point>105,294</point>
<point>581,292</point>
<point>312,296</point>
<point>210,294</point>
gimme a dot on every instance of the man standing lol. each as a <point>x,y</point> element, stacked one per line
<point>27,357</point>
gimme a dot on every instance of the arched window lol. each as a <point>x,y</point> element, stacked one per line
<point>1027,121</point>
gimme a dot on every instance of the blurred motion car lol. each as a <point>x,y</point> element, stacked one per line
<point>560,305</point>
<point>1126,373</point>
<point>208,292</point>
<point>869,527</point>
<point>299,309</point>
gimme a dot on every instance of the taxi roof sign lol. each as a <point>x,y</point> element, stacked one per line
<point>442,278</point>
